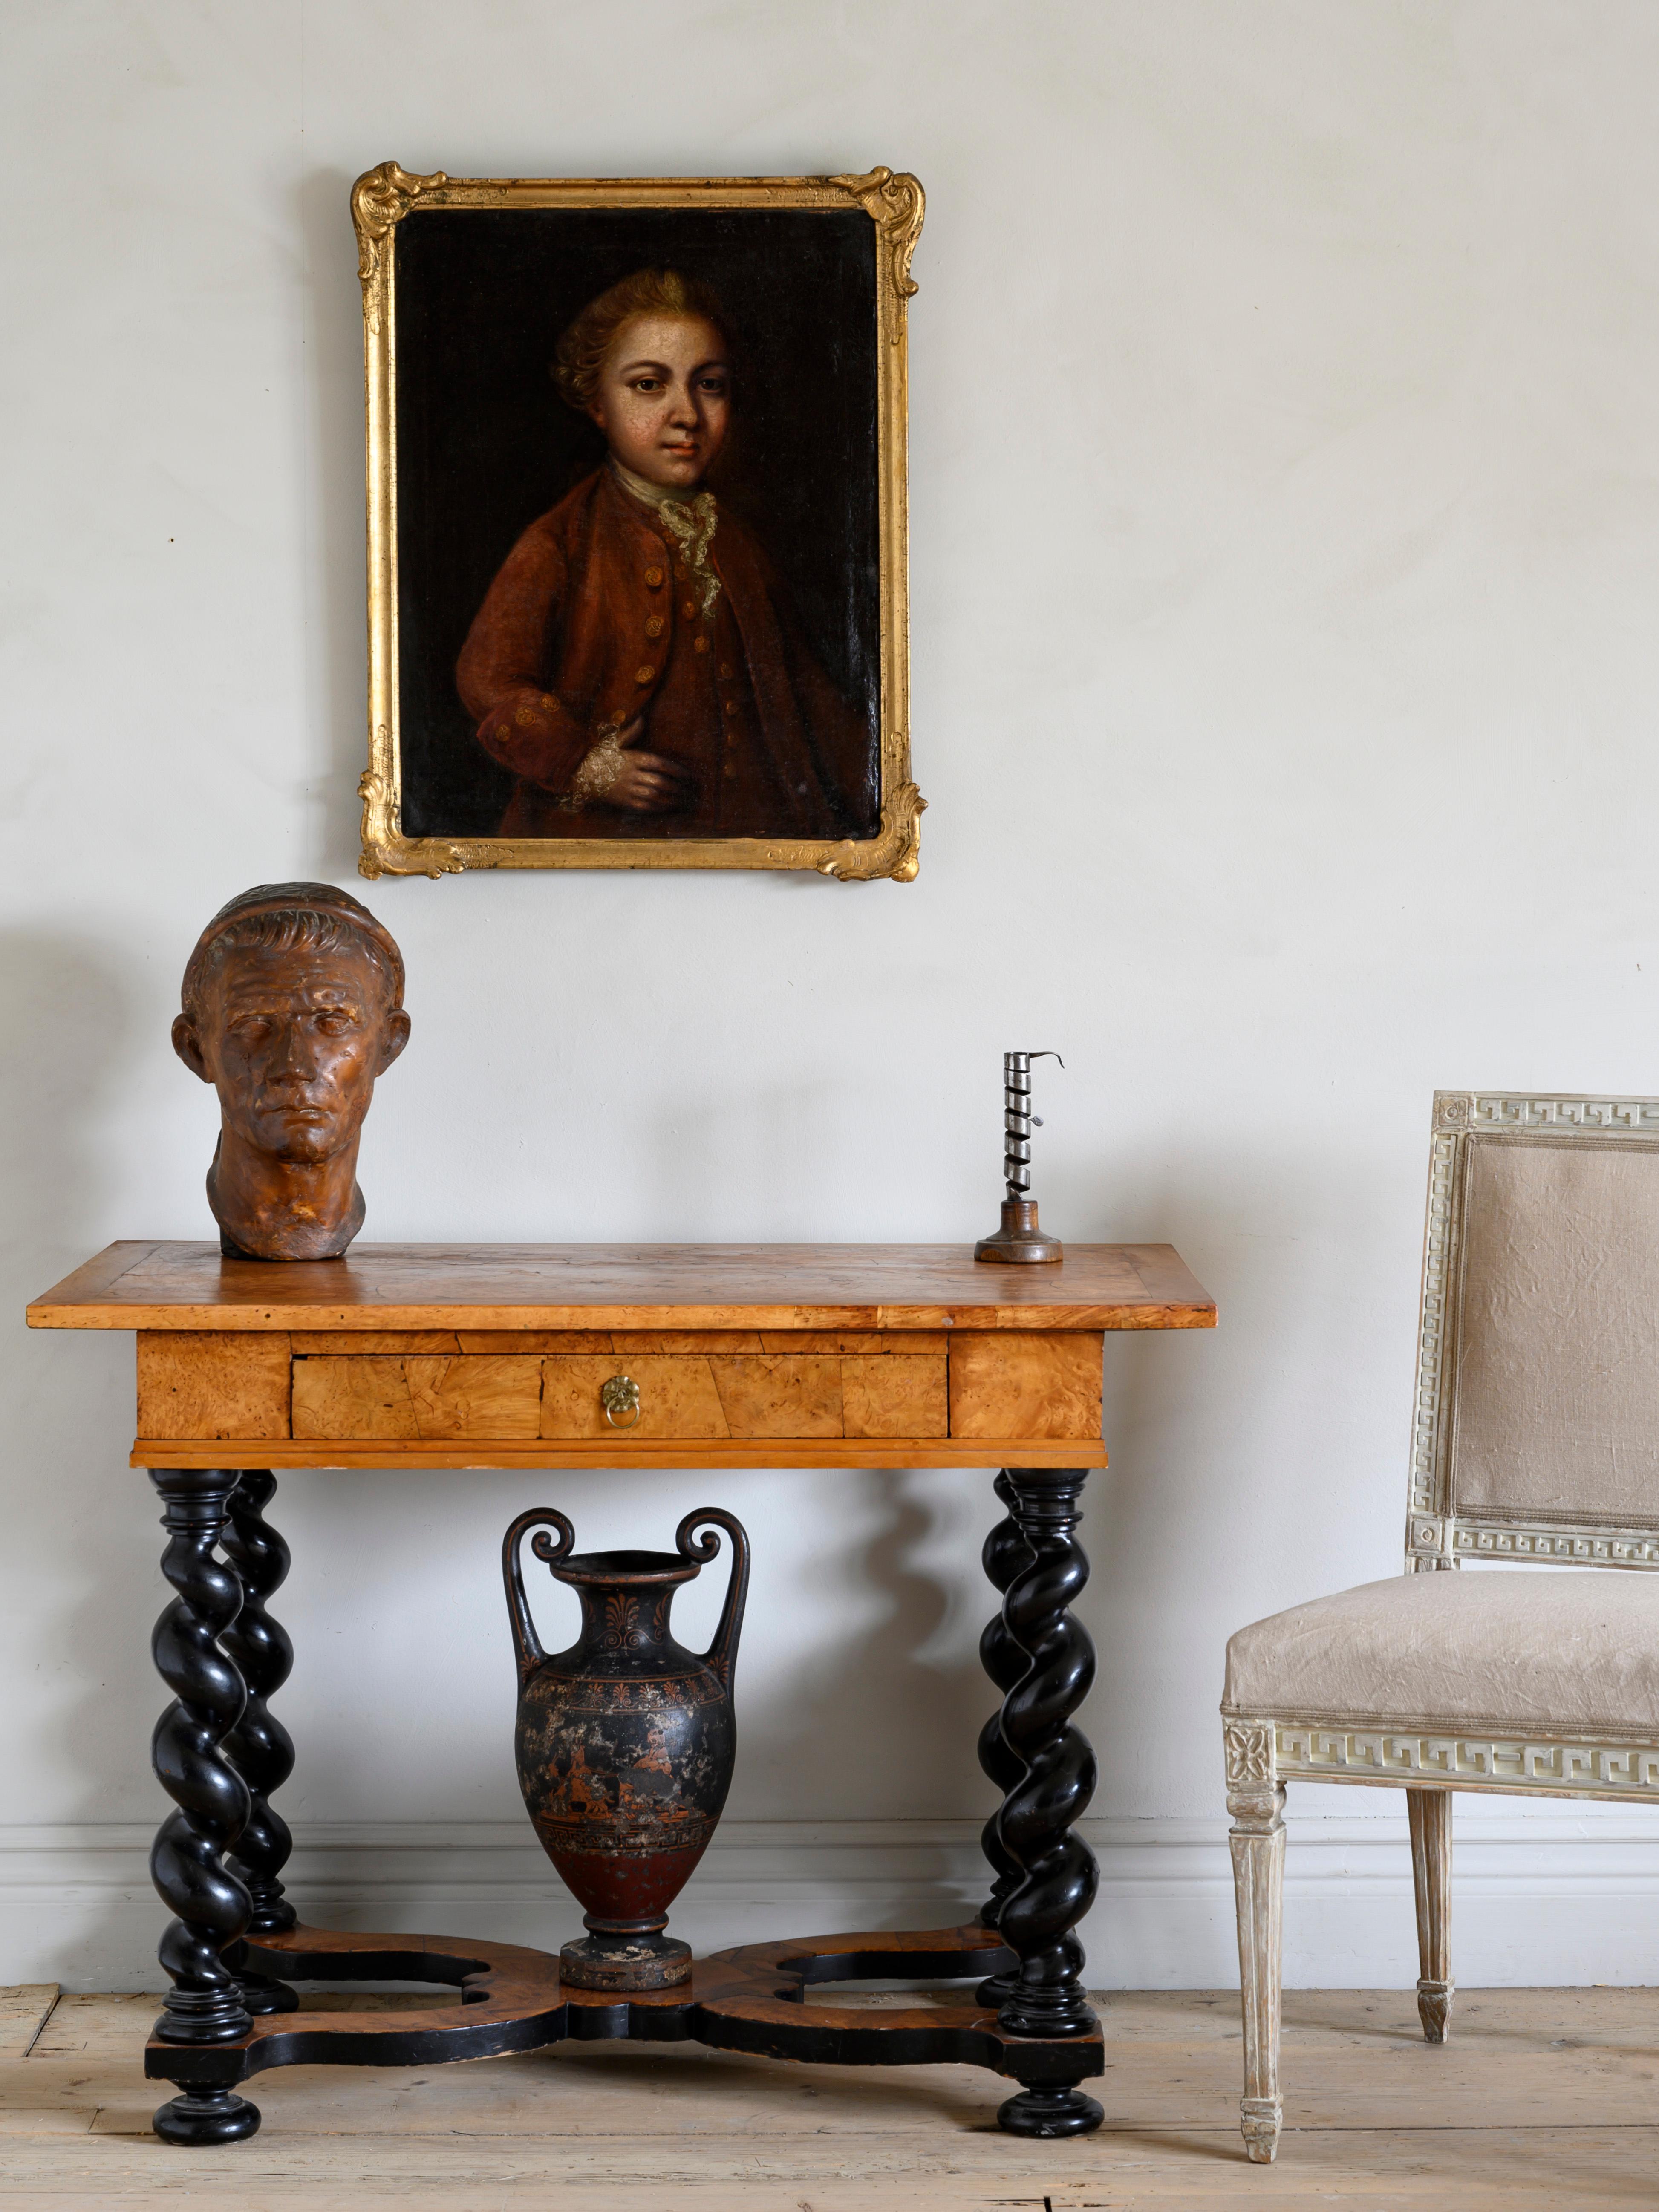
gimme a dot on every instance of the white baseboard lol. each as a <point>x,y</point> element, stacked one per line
<point>1543,1897</point>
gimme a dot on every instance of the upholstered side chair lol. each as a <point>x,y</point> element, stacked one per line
<point>1536,1447</point>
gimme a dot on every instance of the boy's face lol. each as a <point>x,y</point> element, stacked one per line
<point>664,396</point>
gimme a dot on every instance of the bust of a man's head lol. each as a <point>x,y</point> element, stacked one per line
<point>292,1007</point>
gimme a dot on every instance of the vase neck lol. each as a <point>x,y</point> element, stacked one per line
<point>626,1624</point>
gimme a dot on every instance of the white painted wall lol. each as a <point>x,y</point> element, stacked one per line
<point>1285,501</point>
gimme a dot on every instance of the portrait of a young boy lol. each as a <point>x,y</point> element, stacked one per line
<point>638,530</point>
<point>636,656</point>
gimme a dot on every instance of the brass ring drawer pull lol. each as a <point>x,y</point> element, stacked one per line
<point>620,1395</point>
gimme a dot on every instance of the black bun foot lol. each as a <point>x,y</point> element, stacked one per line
<point>261,1995</point>
<point>997,1991</point>
<point>1050,2112</point>
<point>207,2116</point>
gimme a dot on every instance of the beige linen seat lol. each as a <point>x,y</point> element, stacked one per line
<point>1535,1440</point>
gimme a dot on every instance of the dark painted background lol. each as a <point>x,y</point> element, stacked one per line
<point>485,444</point>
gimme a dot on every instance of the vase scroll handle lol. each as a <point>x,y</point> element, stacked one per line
<point>527,1648</point>
<point>722,1653</point>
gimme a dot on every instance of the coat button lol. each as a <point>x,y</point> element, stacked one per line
<point>653,578</point>
<point>689,609</point>
<point>700,645</point>
<point>726,672</point>
<point>654,628</point>
<point>643,675</point>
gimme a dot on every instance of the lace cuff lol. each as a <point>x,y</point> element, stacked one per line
<point>598,771</point>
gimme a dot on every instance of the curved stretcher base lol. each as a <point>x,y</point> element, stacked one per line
<point>752,1999</point>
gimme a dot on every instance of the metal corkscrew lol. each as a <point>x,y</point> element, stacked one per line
<point>1019,1240</point>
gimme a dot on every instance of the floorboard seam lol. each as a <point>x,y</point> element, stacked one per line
<point>42,2023</point>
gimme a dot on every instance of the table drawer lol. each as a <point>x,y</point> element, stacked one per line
<point>794,1396</point>
<point>425,1397</point>
<point>801,1387</point>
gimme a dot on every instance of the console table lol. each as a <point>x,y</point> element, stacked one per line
<point>499,1356</point>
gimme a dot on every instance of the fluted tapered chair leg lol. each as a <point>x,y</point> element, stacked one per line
<point>1430,1812</point>
<point>1258,1849</point>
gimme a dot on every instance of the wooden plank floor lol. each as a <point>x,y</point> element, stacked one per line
<point>1544,2101</point>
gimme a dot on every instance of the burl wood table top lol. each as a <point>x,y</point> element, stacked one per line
<point>173,1286</point>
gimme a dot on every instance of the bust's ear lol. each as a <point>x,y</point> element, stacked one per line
<point>397,1037</point>
<point>188,1047</point>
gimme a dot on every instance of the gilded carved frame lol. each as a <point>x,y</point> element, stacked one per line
<point>387,196</point>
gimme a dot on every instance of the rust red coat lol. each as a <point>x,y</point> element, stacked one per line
<point>593,619</point>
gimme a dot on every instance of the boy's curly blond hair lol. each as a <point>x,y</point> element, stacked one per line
<point>582,349</point>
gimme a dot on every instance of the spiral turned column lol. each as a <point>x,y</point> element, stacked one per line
<point>1004,1553</point>
<point>259,1747</point>
<point>204,2005</point>
<point>1059,1874</point>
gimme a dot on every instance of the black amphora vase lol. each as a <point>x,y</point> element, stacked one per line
<point>625,1743</point>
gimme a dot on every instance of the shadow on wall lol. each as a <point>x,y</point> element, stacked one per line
<point>66,1014</point>
<point>335,679</point>
<point>888,1727</point>
<point>1199,1425</point>
<point>874,1719</point>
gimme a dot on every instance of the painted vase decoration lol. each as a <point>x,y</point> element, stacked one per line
<point>625,1742</point>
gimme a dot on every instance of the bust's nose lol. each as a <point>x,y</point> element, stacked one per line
<point>293,1053</point>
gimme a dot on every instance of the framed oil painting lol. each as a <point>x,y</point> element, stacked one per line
<point>637,523</point>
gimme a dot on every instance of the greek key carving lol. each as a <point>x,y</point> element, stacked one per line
<point>1614,1116</point>
<point>1426,1485</point>
<point>1583,1547</point>
<point>1473,1761</point>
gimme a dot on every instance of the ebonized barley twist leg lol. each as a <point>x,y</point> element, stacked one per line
<point>1006,1553</point>
<point>756,1999</point>
<point>1036,1919</point>
<point>259,1747</point>
<point>204,2006</point>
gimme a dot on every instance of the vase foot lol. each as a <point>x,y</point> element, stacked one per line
<point>625,1962</point>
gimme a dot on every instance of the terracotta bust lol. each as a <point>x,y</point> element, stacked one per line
<point>292,1004</point>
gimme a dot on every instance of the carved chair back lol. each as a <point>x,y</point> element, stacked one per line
<point>1536,1432</point>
